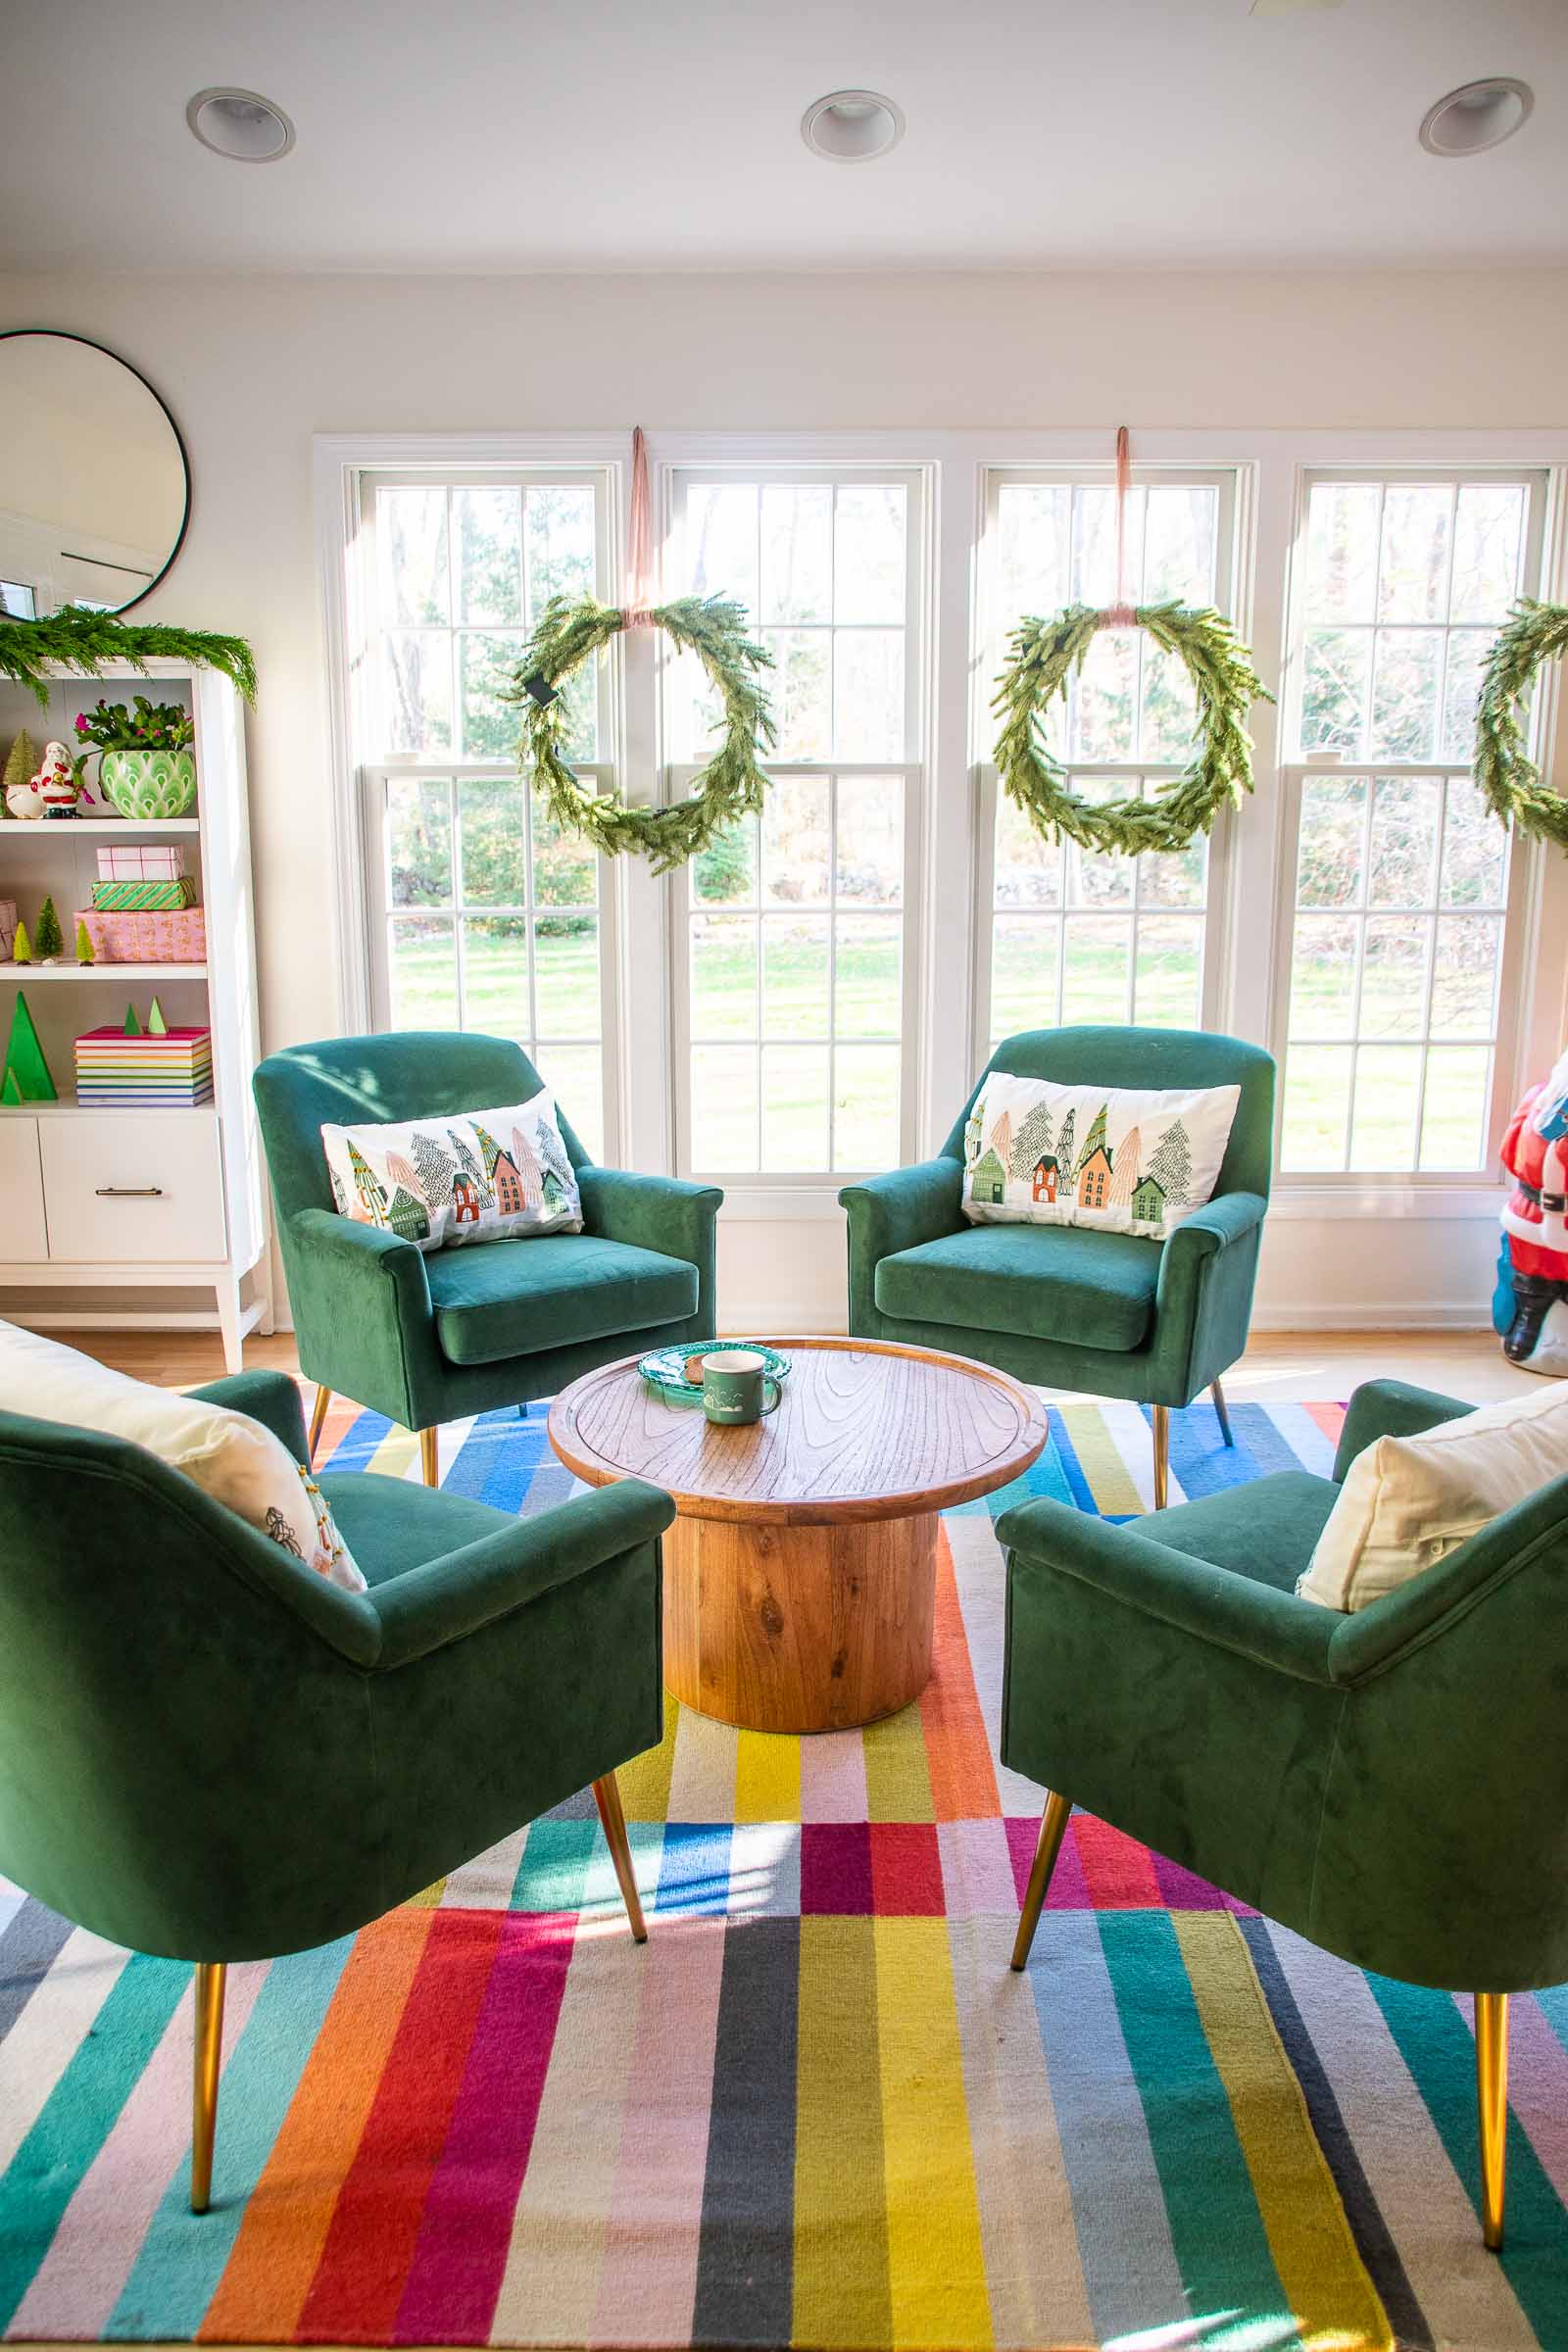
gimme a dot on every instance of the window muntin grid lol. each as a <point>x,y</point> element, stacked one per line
<point>458,572</point>
<point>1400,903</point>
<point>1403,586</point>
<point>1075,937</point>
<point>1391,1014</point>
<point>792,975</point>
<point>485,915</point>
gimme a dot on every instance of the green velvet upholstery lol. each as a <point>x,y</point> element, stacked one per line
<point>429,1339</point>
<point>1027,1280</point>
<point>1151,1321</point>
<point>1393,1785</point>
<point>210,1754</point>
<point>490,1298</point>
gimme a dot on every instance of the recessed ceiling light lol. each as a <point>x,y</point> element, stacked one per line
<point>238,123</point>
<point>851,127</point>
<point>1479,116</point>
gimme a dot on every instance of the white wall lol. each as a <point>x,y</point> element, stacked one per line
<point>253,365</point>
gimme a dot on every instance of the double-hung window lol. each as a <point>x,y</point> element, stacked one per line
<point>1064,935</point>
<point>482,915</point>
<point>1398,881</point>
<point>794,959</point>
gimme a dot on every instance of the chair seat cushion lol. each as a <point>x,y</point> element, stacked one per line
<point>398,1525</point>
<point>1040,1282</point>
<point>1265,1529</point>
<point>494,1300</point>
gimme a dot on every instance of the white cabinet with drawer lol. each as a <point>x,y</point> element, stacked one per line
<point>126,1184</point>
<point>125,1216</point>
<point>22,1189</point>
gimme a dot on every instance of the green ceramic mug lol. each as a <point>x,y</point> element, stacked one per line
<point>736,1388</point>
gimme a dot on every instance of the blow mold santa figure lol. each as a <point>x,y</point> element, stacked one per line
<point>1530,1307</point>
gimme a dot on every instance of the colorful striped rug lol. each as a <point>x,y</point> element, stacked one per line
<point>817,2109</point>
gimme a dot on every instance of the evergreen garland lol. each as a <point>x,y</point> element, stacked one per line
<point>1044,654</point>
<point>82,641</point>
<point>732,785</point>
<point>1509,779</point>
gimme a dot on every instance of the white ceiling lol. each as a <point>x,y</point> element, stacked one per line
<point>602,134</point>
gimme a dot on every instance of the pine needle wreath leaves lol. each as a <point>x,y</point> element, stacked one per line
<point>76,639</point>
<point>570,632</point>
<point>1043,657</point>
<point>1509,779</point>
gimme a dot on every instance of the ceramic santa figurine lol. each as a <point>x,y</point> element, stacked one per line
<point>52,790</point>
<point>1529,1309</point>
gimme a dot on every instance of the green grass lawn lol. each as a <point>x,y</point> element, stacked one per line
<point>795,1087</point>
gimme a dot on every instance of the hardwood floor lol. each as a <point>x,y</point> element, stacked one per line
<point>1279,1367</point>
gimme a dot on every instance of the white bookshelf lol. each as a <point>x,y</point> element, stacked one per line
<point>116,1217</point>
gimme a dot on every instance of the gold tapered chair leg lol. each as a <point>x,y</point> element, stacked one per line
<point>1052,1828</point>
<point>1225,1429</point>
<point>1491,2089</point>
<point>429,1457</point>
<point>1161,1455</point>
<point>211,1977</point>
<point>324,1398</point>
<point>606,1797</point>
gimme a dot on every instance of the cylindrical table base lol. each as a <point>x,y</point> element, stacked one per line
<point>799,1628</point>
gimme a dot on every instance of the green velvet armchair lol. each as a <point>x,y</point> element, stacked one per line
<point>210,1754</point>
<point>1062,1305</point>
<point>1391,1785</point>
<point>426,1339</point>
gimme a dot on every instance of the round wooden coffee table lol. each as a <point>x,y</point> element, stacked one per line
<point>799,1576</point>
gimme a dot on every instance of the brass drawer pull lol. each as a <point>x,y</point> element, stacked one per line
<point>130,1191</point>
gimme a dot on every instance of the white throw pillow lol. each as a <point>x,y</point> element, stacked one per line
<point>473,1177</point>
<point>1407,1501</point>
<point>1117,1157</point>
<point>234,1459</point>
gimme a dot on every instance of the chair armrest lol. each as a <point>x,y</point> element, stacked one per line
<point>651,1212</point>
<point>362,1313</point>
<point>270,1397</point>
<point>906,1206</point>
<point>1211,1604</point>
<point>448,1598</point>
<point>1391,1408</point>
<point>1209,1230</point>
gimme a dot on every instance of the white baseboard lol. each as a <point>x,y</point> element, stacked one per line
<point>1396,1315</point>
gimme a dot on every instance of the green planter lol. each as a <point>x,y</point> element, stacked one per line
<point>149,784</point>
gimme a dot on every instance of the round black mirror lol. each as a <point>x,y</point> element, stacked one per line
<point>94,484</point>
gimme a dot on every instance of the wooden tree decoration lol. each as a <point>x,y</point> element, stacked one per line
<point>25,1061</point>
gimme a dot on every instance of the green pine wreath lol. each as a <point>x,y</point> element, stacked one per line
<point>1509,779</point>
<point>570,632</point>
<point>1044,654</point>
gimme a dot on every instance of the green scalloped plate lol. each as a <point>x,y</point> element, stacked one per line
<point>666,1369</point>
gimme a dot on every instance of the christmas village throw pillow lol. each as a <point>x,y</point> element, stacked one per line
<point>1118,1159</point>
<point>472,1177</point>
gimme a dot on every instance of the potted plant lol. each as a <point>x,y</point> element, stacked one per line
<point>146,766</point>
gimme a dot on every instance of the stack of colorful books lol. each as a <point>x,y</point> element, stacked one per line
<point>170,1071</point>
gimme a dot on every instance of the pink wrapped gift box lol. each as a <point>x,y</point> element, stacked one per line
<point>174,935</point>
<point>140,861</point>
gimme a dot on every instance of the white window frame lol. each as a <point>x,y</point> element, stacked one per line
<point>1522,881</point>
<point>364,977</point>
<point>1268,464</point>
<point>1231,594</point>
<point>677,478</point>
